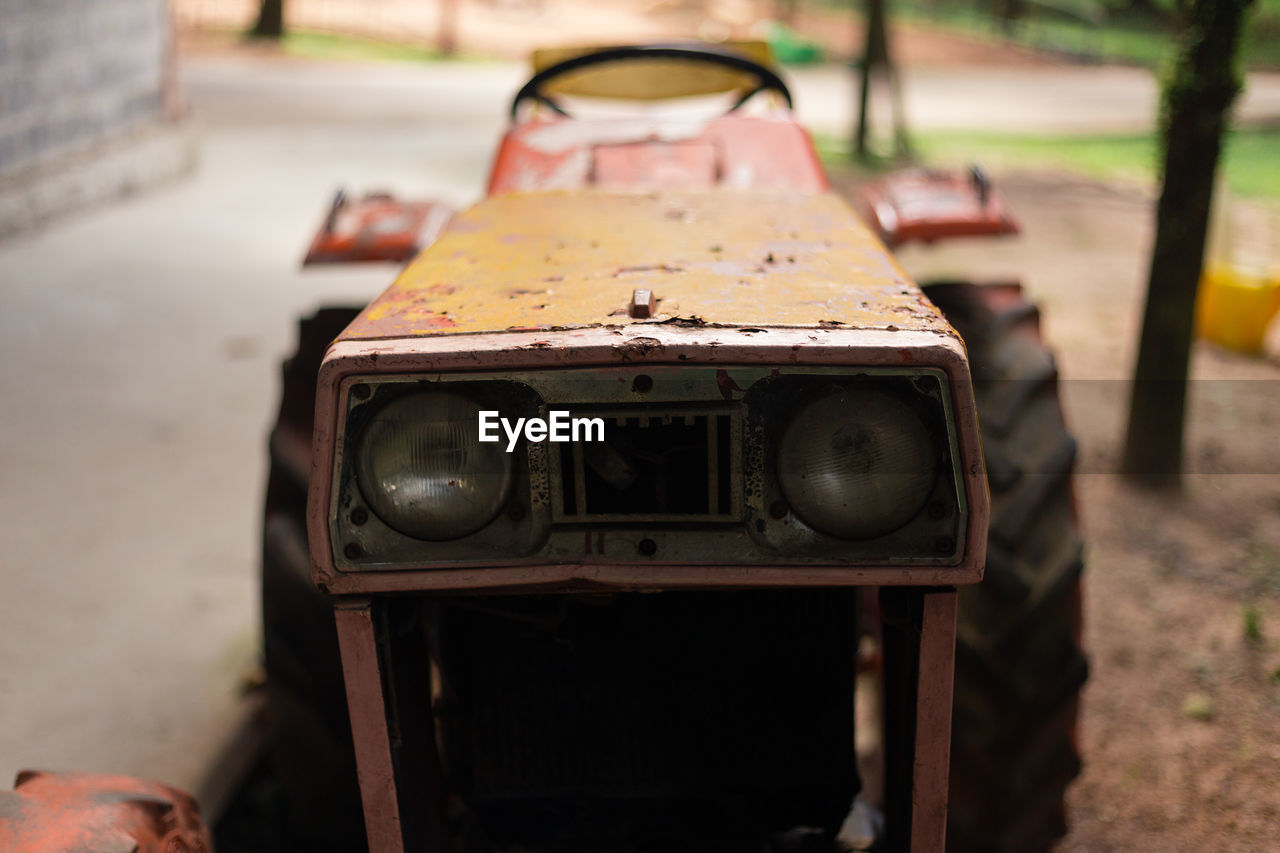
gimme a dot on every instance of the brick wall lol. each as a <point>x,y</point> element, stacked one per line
<point>77,73</point>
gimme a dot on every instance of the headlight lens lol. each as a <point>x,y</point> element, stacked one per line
<point>422,469</point>
<point>856,463</point>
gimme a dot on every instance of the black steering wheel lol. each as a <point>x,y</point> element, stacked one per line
<point>767,79</point>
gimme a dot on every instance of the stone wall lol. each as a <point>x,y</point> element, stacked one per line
<point>75,74</point>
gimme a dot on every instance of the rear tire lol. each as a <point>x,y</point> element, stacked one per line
<point>1019,663</point>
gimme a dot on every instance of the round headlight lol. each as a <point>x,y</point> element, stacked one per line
<point>422,469</point>
<point>856,463</point>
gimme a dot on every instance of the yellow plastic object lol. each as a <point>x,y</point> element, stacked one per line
<point>1236,303</point>
<point>650,79</point>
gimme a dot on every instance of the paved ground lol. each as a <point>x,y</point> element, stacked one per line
<point>139,346</point>
<point>138,353</point>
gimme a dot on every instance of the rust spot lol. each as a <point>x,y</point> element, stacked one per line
<point>768,259</point>
<point>638,348</point>
<point>907,356</point>
<point>726,384</point>
<point>540,345</point>
<point>752,331</point>
<point>891,328</point>
<point>685,321</point>
<point>440,321</point>
<point>830,324</point>
<point>442,288</point>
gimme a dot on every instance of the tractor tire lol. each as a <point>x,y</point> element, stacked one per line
<point>311,768</point>
<point>1019,662</point>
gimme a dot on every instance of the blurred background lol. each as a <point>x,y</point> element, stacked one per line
<point>163,166</point>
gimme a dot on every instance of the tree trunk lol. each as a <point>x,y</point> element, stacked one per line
<point>876,59</point>
<point>1197,97</point>
<point>270,24</point>
<point>447,36</point>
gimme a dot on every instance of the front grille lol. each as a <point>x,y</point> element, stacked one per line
<point>698,715</point>
<point>666,465</point>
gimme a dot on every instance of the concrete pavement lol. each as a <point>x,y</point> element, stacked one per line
<point>139,346</point>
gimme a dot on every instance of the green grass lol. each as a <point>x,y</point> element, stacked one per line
<point>316,45</point>
<point>1252,624</point>
<point>1250,162</point>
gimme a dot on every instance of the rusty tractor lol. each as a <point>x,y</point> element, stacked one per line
<point>651,488</point>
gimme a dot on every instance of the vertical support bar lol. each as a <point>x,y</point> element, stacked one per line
<point>935,681</point>
<point>579,480</point>
<point>362,673</point>
<point>713,464</point>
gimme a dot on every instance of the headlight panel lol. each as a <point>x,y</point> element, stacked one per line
<point>688,473</point>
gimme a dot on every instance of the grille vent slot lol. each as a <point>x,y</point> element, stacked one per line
<point>663,465</point>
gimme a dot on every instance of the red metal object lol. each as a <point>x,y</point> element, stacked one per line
<point>377,227</point>
<point>935,681</point>
<point>83,813</point>
<point>744,152</point>
<point>926,205</point>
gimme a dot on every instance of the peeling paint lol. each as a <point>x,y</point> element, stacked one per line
<point>485,272</point>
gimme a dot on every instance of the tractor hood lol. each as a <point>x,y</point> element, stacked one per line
<point>583,259</point>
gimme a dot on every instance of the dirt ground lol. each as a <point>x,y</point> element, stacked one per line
<point>1181,717</point>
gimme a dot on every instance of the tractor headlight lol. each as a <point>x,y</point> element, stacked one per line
<point>422,469</point>
<point>856,463</point>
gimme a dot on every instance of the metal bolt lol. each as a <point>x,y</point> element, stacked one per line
<point>359,516</point>
<point>642,384</point>
<point>353,551</point>
<point>647,547</point>
<point>361,392</point>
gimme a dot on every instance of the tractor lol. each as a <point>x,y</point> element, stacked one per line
<point>652,491</point>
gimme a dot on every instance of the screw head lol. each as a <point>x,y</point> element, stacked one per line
<point>359,516</point>
<point>361,391</point>
<point>647,547</point>
<point>353,551</point>
<point>642,384</point>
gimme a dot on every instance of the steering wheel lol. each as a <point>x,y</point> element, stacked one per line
<point>767,79</point>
